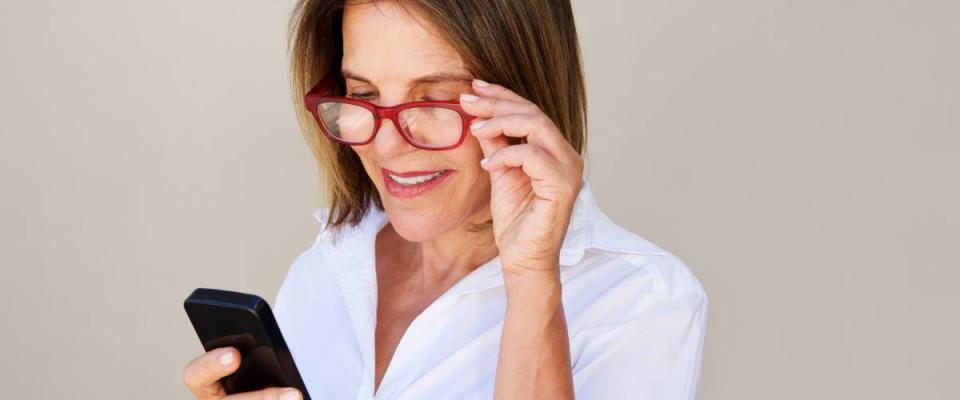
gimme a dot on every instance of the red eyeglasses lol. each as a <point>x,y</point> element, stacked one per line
<point>428,125</point>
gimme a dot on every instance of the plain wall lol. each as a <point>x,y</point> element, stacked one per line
<point>800,156</point>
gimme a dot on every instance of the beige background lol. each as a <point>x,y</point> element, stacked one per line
<point>800,156</point>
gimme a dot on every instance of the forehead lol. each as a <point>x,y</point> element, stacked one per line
<point>384,41</point>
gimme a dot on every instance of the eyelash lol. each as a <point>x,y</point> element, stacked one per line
<point>361,96</point>
<point>368,96</point>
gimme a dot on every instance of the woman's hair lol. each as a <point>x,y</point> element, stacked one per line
<point>528,46</point>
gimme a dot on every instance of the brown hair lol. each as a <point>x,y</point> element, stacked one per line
<point>529,46</point>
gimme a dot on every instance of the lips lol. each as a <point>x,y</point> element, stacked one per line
<point>413,183</point>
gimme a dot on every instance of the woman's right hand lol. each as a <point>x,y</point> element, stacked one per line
<point>202,377</point>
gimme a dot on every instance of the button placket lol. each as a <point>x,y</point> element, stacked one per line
<point>414,341</point>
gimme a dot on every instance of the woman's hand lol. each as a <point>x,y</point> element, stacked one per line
<point>202,377</point>
<point>533,185</point>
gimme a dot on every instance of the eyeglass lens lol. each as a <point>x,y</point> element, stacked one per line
<point>425,126</point>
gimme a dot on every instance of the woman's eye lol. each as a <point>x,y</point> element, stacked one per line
<point>361,96</point>
<point>371,95</point>
<point>436,98</point>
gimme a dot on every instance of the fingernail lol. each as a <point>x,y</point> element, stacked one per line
<point>291,394</point>
<point>468,97</point>
<point>481,83</point>
<point>477,125</point>
<point>484,161</point>
<point>226,358</point>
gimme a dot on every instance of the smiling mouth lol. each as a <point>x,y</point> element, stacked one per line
<point>416,179</point>
<point>413,183</point>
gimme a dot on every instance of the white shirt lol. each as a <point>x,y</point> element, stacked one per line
<point>635,316</point>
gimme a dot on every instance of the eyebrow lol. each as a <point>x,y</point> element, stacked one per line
<point>439,77</point>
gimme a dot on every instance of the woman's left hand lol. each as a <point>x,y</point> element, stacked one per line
<point>534,185</point>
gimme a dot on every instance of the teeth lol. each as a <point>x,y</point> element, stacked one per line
<point>415,180</point>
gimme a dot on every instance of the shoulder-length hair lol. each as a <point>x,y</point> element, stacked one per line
<point>529,46</point>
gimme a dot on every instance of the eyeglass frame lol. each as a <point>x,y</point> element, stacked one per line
<point>322,92</point>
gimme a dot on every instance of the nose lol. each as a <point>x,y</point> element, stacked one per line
<point>389,141</point>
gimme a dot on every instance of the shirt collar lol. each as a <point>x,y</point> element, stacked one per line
<point>589,228</point>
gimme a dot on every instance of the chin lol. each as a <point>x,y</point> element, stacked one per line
<point>415,226</point>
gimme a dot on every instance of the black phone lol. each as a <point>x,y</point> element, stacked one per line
<point>244,321</point>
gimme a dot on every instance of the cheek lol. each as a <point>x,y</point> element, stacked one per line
<point>471,148</point>
<point>474,185</point>
<point>363,152</point>
<point>468,155</point>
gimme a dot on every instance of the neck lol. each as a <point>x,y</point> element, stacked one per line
<point>443,260</point>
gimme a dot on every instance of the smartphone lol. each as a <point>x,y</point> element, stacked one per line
<point>244,321</point>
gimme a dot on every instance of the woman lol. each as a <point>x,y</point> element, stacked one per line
<point>461,255</point>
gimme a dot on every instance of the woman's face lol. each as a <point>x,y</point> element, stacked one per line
<point>391,58</point>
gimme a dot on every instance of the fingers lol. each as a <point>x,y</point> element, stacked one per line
<point>538,129</point>
<point>489,106</point>
<point>499,110</point>
<point>534,160</point>
<point>494,90</point>
<point>546,157</point>
<point>267,394</point>
<point>490,145</point>
<point>202,375</point>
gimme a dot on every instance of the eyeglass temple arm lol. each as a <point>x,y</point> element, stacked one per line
<point>325,86</point>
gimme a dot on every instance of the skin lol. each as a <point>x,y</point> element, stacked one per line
<point>527,189</point>
<point>385,52</point>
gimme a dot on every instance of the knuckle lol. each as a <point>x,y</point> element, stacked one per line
<point>544,122</point>
<point>190,377</point>
<point>187,379</point>
<point>529,124</point>
<point>494,158</point>
<point>519,150</point>
<point>536,151</point>
<point>534,108</point>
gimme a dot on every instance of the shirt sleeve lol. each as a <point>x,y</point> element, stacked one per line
<point>656,353</point>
